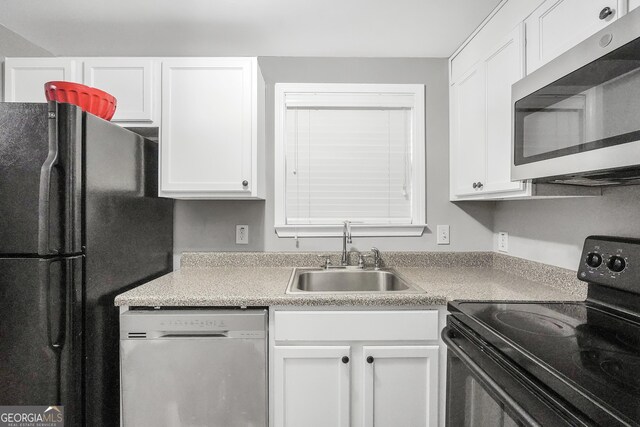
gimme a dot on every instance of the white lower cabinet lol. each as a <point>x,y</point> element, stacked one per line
<point>312,386</point>
<point>331,377</point>
<point>400,386</point>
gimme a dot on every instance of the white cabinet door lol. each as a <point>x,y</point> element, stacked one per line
<point>130,80</point>
<point>468,132</point>
<point>209,128</point>
<point>503,67</point>
<point>400,386</point>
<point>558,25</point>
<point>24,78</point>
<point>633,4</point>
<point>311,386</point>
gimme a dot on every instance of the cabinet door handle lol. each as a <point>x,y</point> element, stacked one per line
<point>475,185</point>
<point>245,183</point>
<point>606,12</point>
<point>370,359</point>
<point>345,359</point>
<point>480,185</point>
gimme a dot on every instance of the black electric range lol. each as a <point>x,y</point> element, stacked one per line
<point>552,363</point>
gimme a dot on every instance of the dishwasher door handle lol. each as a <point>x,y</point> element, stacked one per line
<point>221,334</point>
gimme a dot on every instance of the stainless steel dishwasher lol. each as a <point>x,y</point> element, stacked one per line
<point>188,368</point>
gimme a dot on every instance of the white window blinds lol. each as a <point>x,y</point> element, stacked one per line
<point>348,163</point>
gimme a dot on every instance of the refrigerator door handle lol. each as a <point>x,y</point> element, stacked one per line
<point>44,205</point>
<point>54,279</point>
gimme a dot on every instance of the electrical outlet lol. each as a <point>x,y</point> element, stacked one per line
<point>503,241</point>
<point>443,235</point>
<point>242,234</point>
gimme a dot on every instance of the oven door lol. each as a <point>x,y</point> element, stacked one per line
<point>485,389</point>
<point>579,113</point>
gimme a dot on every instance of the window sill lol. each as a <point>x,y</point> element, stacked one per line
<point>357,230</point>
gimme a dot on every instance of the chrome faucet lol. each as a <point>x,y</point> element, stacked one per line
<point>346,238</point>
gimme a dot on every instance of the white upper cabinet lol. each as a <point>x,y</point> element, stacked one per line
<point>133,83</point>
<point>481,124</point>
<point>468,107</point>
<point>517,38</point>
<point>558,25</point>
<point>212,128</point>
<point>503,67</point>
<point>24,78</point>
<point>210,112</point>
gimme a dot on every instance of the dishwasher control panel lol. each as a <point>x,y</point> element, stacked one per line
<point>154,324</point>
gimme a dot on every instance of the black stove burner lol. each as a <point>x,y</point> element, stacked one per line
<point>623,369</point>
<point>608,339</point>
<point>534,323</point>
<point>628,339</point>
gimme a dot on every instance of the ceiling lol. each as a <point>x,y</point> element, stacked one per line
<point>361,28</point>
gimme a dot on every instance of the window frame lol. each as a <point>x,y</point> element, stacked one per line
<point>343,95</point>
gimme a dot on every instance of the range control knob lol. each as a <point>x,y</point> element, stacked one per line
<point>594,260</point>
<point>616,264</point>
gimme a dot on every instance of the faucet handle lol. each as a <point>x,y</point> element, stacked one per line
<point>376,257</point>
<point>362,260</point>
<point>361,257</point>
<point>327,260</point>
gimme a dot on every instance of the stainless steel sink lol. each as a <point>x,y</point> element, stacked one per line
<point>334,280</point>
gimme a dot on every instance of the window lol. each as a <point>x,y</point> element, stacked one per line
<point>349,152</point>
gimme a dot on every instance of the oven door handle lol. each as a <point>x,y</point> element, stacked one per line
<point>486,380</point>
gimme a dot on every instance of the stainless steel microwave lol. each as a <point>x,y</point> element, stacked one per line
<point>576,120</point>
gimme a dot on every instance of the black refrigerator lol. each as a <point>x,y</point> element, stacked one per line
<point>80,222</point>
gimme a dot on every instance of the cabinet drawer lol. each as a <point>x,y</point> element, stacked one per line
<point>410,325</point>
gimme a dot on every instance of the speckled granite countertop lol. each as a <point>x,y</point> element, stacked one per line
<point>476,276</point>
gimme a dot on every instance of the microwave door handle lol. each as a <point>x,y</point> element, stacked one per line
<point>486,380</point>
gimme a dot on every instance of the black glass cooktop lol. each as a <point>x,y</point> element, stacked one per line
<point>569,346</point>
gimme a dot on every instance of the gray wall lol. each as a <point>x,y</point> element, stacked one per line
<point>12,44</point>
<point>553,231</point>
<point>549,231</point>
<point>210,225</point>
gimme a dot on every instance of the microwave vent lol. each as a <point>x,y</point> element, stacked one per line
<point>611,177</point>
